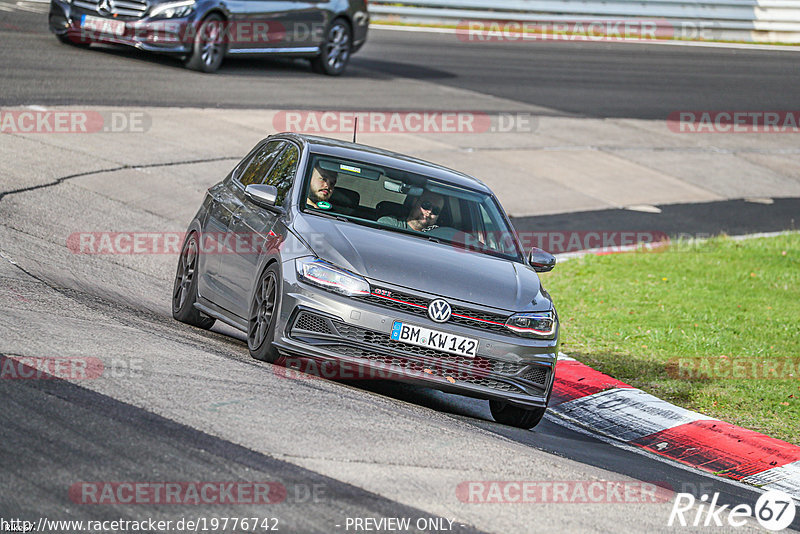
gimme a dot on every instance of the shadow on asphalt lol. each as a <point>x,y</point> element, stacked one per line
<point>74,434</point>
<point>552,436</point>
<point>264,65</point>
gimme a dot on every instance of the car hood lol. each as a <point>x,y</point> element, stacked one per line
<point>408,261</point>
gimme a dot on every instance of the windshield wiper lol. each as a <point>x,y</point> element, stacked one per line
<point>330,216</point>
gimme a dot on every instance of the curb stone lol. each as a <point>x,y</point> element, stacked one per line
<point>615,409</point>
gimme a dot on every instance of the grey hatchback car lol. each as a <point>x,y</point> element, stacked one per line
<point>345,254</point>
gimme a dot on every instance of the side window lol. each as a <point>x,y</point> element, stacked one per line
<point>283,173</point>
<point>258,167</point>
<point>495,238</point>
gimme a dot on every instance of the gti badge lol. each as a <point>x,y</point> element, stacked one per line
<point>439,310</point>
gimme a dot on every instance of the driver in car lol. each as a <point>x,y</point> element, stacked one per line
<point>321,188</point>
<point>423,215</point>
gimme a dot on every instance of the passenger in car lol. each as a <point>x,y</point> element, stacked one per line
<point>423,215</point>
<point>321,188</point>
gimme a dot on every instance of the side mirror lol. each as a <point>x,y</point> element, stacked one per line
<point>262,195</point>
<point>541,260</point>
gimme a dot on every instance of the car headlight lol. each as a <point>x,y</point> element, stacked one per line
<point>325,275</point>
<point>172,10</point>
<point>533,324</point>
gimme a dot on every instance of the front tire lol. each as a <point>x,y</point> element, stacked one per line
<point>507,414</point>
<point>209,46</point>
<point>335,51</point>
<point>184,291</point>
<point>264,309</point>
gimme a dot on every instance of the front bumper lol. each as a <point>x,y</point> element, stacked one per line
<point>172,36</point>
<point>324,326</point>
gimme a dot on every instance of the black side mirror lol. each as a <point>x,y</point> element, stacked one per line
<point>262,195</point>
<point>541,260</point>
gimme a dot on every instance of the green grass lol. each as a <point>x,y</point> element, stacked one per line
<point>641,316</point>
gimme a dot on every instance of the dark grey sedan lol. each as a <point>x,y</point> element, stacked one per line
<point>355,256</point>
<point>203,32</point>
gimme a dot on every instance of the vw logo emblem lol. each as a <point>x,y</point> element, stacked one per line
<point>439,310</point>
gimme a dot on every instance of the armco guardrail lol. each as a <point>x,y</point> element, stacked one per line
<point>776,21</point>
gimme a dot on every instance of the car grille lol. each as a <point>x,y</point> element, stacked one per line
<point>312,323</point>
<point>419,306</point>
<point>124,8</point>
<point>536,374</point>
<point>442,371</point>
<point>357,342</point>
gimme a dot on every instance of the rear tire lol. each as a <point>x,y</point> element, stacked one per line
<point>184,290</point>
<point>508,414</point>
<point>264,310</point>
<point>335,50</point>
<point>209,46</point>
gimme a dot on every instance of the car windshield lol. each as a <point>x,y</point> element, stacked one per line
<point>400,201</point>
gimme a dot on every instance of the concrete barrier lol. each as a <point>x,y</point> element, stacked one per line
<point>764,21</point>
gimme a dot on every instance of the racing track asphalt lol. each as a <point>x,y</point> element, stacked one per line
<point>583,79</point>
<point>201,409</point>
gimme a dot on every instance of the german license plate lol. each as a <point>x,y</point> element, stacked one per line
<point>434,339</point>
<point>101,25</point>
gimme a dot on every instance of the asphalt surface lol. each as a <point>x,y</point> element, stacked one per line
<point>584,79</point>
<point>683,221</point>
<point>178,404</point>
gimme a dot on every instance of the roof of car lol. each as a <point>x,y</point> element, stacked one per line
<point>379,156</point>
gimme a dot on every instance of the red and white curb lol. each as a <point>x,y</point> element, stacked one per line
<point>614,409</point>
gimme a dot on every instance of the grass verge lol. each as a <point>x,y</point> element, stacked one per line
<point>711,326</point>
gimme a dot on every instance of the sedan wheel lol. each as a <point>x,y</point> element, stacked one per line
<point>263,316</point>
<point>209,47</point>
<point>184,291</point>
<point>335,51</point>
<point>510,415</point>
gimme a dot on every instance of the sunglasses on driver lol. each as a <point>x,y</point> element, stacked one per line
<point>427,205</point>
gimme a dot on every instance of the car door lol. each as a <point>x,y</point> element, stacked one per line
<point>252,172</point>
<point>258,229</point>
<point>219,209</point>
<point>260,26</point>
<point>309,20</point>
<point>219,206</point>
